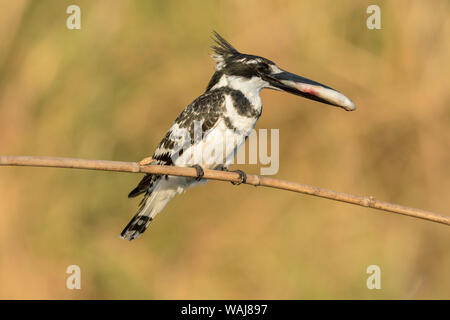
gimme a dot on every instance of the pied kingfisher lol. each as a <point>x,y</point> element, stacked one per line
<point>227,110</point>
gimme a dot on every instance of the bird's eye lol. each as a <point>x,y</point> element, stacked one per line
<point>263,67</point>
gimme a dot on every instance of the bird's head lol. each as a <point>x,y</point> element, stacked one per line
<point>247,70</point>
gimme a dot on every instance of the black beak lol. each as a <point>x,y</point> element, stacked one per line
<point>300,86</point>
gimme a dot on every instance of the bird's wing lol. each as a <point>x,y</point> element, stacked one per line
<point>206,109</point>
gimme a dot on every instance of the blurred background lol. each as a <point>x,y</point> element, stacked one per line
<point>113,88</point>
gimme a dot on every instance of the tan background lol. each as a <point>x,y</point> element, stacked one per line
<point>112,89</point>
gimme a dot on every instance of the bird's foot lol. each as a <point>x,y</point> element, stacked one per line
<point>242,177</point>
<point>146,161</point>
<point>200,172</point>
<point>242,174</point>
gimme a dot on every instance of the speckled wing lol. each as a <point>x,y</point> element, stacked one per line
<point>206,109</point>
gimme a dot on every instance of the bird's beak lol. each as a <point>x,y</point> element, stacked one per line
<point>295,84</point>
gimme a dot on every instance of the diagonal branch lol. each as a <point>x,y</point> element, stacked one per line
<point>252,179</point>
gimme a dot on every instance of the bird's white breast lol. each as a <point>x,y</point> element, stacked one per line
<point>243,124</point>
<point>221,136</point>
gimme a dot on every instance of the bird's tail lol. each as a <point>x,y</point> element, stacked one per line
<point>152,204</point>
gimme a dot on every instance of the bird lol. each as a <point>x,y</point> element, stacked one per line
<point>228,109</point>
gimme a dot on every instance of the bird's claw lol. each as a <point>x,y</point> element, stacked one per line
<point>242,177</point>
<point>200,172</point>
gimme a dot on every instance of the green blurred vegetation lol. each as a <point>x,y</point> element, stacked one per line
<point>111,90</point>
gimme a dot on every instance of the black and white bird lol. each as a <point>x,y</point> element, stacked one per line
<point>226,111</point>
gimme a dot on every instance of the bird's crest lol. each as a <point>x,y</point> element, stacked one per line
<point>222,50</point>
